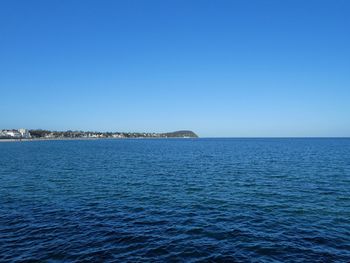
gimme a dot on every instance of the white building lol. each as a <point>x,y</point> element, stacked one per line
<point>13,134</point>
<point>24,133</point>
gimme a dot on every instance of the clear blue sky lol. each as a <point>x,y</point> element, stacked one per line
<point>219,68</point>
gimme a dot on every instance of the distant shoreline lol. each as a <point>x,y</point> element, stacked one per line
<point>89,139</point>
<point>162,138</point>
<point>28,135</point>
<point>46,139</point>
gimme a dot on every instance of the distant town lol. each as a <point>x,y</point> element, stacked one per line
<point>19,134</point>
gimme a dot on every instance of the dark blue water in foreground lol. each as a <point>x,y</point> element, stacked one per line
<point>234,200</point>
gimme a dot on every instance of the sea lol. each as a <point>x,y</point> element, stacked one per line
<point>175,200</point>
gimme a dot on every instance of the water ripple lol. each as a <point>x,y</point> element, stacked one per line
<point>204,200</point>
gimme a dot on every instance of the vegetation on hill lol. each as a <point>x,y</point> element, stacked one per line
<point>181,134</point>
<point>93,134</point>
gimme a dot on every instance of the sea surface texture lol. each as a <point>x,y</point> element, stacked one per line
<point>175,200</point>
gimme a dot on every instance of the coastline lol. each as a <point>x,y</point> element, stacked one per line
<point>88,139</point>
<point>47,139</point>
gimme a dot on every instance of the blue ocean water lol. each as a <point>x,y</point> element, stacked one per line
<point>178,200</point>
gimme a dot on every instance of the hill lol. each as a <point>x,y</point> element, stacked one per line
<point>181,134</point>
